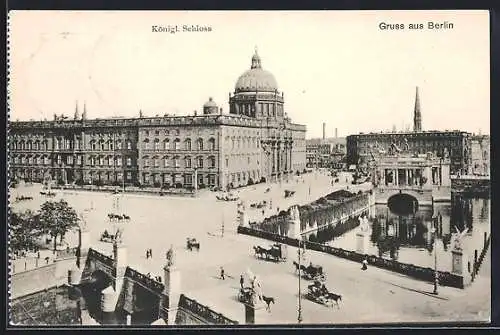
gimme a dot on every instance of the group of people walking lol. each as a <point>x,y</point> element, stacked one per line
<point>149,253</point>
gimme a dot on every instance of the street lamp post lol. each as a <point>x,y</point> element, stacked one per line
<point>436,277</point>
<point>299,315</point>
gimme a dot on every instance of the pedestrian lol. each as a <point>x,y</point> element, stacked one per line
<point>365,264</point>
<point>147,253</point>
<point>150,253</point>
<point>222,273</point>
<point>38,254</point>
<point>242,281</point>
<point>263,212</point>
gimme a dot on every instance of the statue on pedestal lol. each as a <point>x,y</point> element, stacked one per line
<point>457,238</point>
<point>170,256</point>
<point>364,224</point>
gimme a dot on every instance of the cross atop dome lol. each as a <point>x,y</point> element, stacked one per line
<point>256,60</point>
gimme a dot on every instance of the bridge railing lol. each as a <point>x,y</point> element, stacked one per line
<point>100,257</point>
<point>144,280</point>
<point>418,272</point>
<point>204,312</point>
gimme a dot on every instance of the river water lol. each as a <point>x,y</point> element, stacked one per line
<point>408,238</point>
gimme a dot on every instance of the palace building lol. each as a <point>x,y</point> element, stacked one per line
<point>255,142</point>
<point>455,144</point>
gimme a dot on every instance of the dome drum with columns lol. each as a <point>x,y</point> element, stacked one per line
<point>256,93</point>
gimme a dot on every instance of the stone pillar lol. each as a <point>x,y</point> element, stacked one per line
<point>83,247</point>
<point>362,242</point>
<point>243,219</point>
<point>459,266</point>
<point>396,177</point>
<point>255,312</point>
<point>120,264</point>
<point>171,294</point>
<point>294,223</point>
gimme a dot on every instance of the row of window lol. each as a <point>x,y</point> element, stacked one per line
<point>176,144</point>
<point>166,162</point>
<point>70,145</point>
<point>175,132</point>
<point>92,160</point>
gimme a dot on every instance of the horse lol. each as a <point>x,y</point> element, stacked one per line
<point>335,297</point>
<point>268,301</point>
<point>126,217</point>
<point>260,251</point>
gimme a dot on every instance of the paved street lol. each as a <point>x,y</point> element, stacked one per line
<point>374,295</point>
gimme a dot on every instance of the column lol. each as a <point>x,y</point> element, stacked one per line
<point>396,177</point>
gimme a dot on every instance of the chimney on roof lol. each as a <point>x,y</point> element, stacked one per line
<point>195,113</point>
<point>324,130</point>
<point>220,109</point>
<point>336,133</point>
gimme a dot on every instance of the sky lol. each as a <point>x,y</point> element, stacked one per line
<point>337,67</point>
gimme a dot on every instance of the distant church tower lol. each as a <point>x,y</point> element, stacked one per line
<point>417,116</point>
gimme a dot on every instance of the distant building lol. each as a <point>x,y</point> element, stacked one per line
<point>480,152</point>
<point>457,144</point>
<point>256,141</point>
<point>325,153</point>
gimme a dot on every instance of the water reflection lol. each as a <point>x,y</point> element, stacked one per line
<point>409,238</point>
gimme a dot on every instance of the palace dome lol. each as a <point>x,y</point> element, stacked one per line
<point>210,103</point>
<point>256,79</point>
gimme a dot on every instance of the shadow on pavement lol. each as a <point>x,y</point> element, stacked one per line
<point>427,293</point>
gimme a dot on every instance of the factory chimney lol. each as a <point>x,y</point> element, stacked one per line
<point>336,133</point>
<point>324,129</point>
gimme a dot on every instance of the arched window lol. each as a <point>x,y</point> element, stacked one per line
<point>93,145</point>
<point>156,162</point>
<point>211,161</point>
<point>199,143</point>
<point>29,144</point>
<point>200,162</point>
<point>129,145</point>
<point>188,161</point>
<point>129,161</point>
<point>166,144</point>
<point>187,144</point>
<point>119,145</point>
<point>110,160</point>
<point>146,144</point>
<point>157,144</point>
<point>102,145</point>
<point>145,160</point>
<point>110,145</point>
<point>46,160</point>
<point>176,161</point>
<point>177,144</point>
<point>101,160</point>
<point>211,144</point>
<point>165,161</point>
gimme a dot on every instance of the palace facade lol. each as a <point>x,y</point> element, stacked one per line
<point>453,144</point>
<point>255,142</point>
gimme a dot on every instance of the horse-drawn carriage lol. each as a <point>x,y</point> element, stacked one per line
<point>111,238</point>
<point>192,243</point>
<point>311,272</point>
<point>318,293</point>
<point>227,197</point>
<point>277,252</point>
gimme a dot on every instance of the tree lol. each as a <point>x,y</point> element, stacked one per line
<point>23,231</point>
<point>57,218</point>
